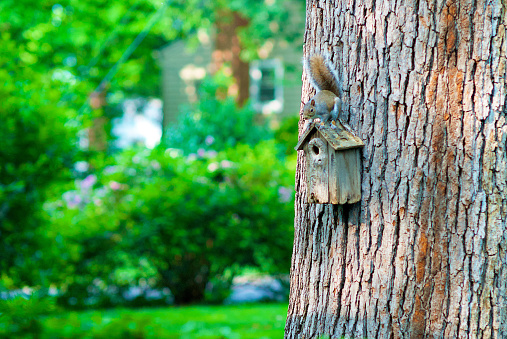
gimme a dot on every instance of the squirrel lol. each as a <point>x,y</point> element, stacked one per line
<point>326,104</point>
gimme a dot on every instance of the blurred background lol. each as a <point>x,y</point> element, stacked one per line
<point>147,167</point>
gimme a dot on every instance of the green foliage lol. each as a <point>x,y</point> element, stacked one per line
<point>186,217</point>
<point>79,41</point>
<point>287,135</point>
<point>219,287</point>
<point>215,123</point>
<point>179,217</point>
<point>36,150</point>
<point>21,318</point>
<point>266,20</point>
<point>126,223</point>
<point>252,321</point>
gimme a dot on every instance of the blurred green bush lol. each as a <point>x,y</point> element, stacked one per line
<point>215,122</point>
<point>176,220</point>
<point>287,135</point>
<point>21,318</point>
<point>220,198</point>
<point>37,150</point>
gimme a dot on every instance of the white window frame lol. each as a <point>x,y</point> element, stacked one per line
<point>271,106</point>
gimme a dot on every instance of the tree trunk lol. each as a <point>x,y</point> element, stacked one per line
<point>228,49</point>
<point>424,254</point>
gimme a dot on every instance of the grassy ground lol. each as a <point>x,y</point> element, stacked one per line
<point>245,321</point>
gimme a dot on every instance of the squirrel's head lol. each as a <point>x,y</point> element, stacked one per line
<point>309,109</point>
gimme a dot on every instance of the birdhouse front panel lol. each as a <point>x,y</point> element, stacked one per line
<point>333,163</point>
<point>317,169</point>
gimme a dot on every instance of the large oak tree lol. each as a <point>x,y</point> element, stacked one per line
<point>424,254</point>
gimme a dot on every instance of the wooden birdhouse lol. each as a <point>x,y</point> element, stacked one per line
<point>333,167</point>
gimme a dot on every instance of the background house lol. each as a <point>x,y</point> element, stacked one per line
<point>272,83</point>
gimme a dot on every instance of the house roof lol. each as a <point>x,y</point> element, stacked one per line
<point>338,134</point>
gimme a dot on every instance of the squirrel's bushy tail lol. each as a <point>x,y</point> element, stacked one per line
<point>323,75</point>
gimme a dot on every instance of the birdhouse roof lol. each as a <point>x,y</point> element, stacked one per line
<point>338,134</point>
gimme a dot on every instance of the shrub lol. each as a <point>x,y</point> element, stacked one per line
<point>36,152</point>
<point>179,220</point>
<point>219,196</point>
<point>215,122</point>
<point>287,135</point>
<point>20,317</point>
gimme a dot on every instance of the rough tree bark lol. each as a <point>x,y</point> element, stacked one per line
<point>424,254</point>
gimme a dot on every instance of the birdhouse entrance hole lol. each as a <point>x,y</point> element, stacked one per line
<point>318,150</point>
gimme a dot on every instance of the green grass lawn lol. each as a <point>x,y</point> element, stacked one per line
<point>244,321</point>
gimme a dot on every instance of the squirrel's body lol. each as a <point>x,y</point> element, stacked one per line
<point>326,104</point>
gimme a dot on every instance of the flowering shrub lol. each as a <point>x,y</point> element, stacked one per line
<point>175,220</point>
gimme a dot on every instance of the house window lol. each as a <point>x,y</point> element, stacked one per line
<point>266,90</point>
<point>192,77</point>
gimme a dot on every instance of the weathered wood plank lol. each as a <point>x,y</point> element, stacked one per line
<point>317,169</point>
<point>344,180</point>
